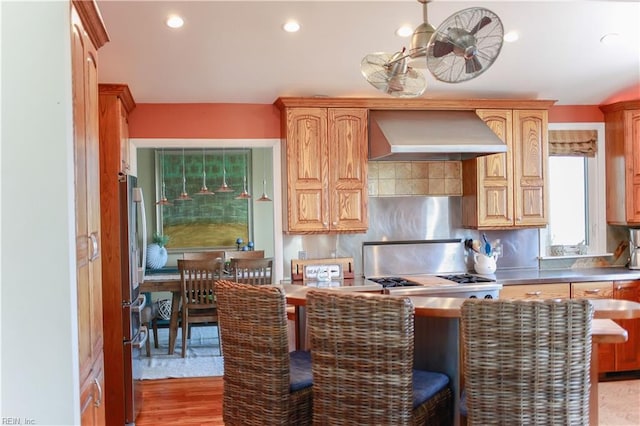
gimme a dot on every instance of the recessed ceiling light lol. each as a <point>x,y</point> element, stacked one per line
<point>511,36</point>
<point>404,31</point>
<point>174,21</point>
<point>291,27</point>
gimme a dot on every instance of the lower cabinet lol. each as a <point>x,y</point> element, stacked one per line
<point>598,290</point>
<point>536,291</point>
<point>627,355</point>
<point>611,357</point>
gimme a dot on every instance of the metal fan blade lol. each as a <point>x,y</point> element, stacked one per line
<point>480,25</point>
<point>472,65</point>
<point>442,48</point>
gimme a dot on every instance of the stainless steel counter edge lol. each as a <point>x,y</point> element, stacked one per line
<point>544,276</point>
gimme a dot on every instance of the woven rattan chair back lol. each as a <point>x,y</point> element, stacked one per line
<point>198,301</point>
<point>253,327</point>
<point>527,362</point>
<point>362,360</point>
<point>252,271</point>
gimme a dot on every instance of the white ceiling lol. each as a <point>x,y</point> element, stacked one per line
<point>236,51</point>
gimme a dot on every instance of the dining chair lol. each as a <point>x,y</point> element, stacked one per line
<point>362,349</point>
<point>213,254</point>
<point>244,254</point>
<point>253,271</point>
<point>198,302</point>
<point>526,362</point>
<point>264,383</point>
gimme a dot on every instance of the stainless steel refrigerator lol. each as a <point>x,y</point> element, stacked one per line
<point>134,334</point>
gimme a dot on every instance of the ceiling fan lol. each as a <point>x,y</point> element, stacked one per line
<point>464,46</point>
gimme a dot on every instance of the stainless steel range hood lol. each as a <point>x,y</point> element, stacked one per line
<point>430,135</point>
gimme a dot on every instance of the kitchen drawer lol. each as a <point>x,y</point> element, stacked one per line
<point>536,291</point>
<point>592,290</point>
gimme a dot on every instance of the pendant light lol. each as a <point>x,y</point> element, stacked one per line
<point>163,197</point>
<point>244,195</point>
<point>264,196</point>
<point>204,190</point>
<point>224,187</point>
<point>183,195</point>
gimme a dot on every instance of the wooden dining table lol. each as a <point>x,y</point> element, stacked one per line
<point>437,338</point>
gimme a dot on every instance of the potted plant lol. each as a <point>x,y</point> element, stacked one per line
<point>157,252</point>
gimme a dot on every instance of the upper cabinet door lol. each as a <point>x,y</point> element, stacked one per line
<point>307,169</point>
<point>530,167</point>
<point>348,169</point>
<point>495,174</point>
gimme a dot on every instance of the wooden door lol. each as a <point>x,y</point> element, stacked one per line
<point>628,354</point>
<point>495,174</point>
<point>530,167</point>
<point>307,170</point>
<point>87,210</point>
<point>348,189</point>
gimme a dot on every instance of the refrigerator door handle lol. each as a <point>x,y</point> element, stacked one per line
<point>139,304</point>
<point>139,199</point>
<point>141,338</point>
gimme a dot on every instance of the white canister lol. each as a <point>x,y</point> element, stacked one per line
<point>484,264</point>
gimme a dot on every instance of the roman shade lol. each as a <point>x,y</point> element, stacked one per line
<point>574,143</point>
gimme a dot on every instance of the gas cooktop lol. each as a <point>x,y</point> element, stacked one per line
<point>466,278</point>
<point>387,282</point>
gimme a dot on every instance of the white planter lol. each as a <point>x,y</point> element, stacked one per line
<point>156,256</point>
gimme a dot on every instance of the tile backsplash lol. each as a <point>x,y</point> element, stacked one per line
<point>394,178</point>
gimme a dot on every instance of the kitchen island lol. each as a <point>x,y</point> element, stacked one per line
<point>437,334</point>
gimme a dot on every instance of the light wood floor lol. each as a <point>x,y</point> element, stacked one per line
<point>198,401</point>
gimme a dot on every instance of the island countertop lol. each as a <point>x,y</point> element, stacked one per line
<point>543,276</point>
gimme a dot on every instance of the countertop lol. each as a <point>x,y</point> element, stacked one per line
<point>542,276</point>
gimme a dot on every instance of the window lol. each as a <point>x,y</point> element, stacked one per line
<point>576,195</point>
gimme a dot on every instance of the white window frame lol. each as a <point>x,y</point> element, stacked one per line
<point>596,215</point>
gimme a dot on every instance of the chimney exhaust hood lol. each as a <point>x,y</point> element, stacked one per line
<point>430,135</point>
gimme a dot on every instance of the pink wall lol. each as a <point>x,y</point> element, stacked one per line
<point>205,121</point>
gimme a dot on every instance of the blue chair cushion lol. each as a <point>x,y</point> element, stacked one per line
<point>463,403</point>
<point>426,384</point>
<point>299,370</point>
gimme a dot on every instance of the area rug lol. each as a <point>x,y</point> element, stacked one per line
<point>203,356</point>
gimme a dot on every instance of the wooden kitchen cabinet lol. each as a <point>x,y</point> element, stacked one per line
<point>597,290</point>
<point>627,355</point>
<point>508,190</point>
<point>622,159</point>
<point>87,36</point>
<point>536,291</point>
<point>325,157</point>
<point>115,104</point>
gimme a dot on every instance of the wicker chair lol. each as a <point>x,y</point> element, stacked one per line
<point>362,361</point>
<point>264,384</point>
<point>527,362</point>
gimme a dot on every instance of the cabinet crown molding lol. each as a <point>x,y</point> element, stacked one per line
<point>409,104</point>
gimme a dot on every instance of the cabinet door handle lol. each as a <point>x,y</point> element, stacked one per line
<point>593,291</point>
<point>99,400</point>
<point>95,249</point>
<point>534,293</point>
